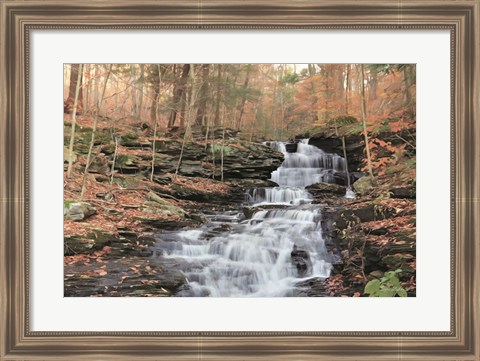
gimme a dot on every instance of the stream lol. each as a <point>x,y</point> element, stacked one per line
<point>279,251</point>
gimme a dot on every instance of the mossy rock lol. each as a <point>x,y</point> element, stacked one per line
<point>125,160</point>
<point>86,244</point>
<point>108,149</point>
<point>395,261</point>
<point>99,165</point>
<point>67,156</point>
<point>363,186</point>
<point>84,136</point>
<point>128,181</point>
<point>77,211</point>
<point>162,209</point>
<point>153,197</point>
<point>81,148</point>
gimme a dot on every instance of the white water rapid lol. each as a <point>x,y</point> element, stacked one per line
<point>271,253</point>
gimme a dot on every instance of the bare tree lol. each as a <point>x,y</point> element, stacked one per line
<point>155,123</point>
<point>364,119</point>
<point>140,96</point>
<point>191,107</point>
<point>74,118</point>
<point>74,80</point>
<point>92,141</point>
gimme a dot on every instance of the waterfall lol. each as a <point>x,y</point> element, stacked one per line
<point>308,165</point>
<point>271,253</point>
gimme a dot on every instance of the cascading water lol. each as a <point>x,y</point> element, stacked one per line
<point>308,165</point>
<point>270,254</point>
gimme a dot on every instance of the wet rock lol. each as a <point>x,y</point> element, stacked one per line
<point>77,211</point>
<point>330,143</point>
<point>301,261</point>
<point>313,287</point>
<point>319,189</point>
<point>291,147</point>
<point>248,212</point>
<point>245,184</point>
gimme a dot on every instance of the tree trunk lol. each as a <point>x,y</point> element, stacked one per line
<point>156,95</point>
<point>244,98</point>
<point>87,87</point>
<point>364,119</point>
<point>372,83</point>
<point>190,117</point>
<point>274,106</point>
<point>200,119</point>
<point>74,79</point>
<point>183,105</point>
<point>219,96</point>
<point>140,95</point>
<point>408,81</point>
<point>74,116</point>
<point>96,75</point>
<point>155,125</point>
<point>178,97</point>
<point>92,141</point>
<point>133,112</point>
<point>347,86</point>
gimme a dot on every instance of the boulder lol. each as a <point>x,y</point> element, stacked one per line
<point>158,205</point>
<point>77,211</point>
<point>363,186</point>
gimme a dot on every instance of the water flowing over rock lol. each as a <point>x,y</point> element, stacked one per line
<point>275,251</point>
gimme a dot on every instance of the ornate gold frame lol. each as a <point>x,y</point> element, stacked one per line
<point>18,17</point>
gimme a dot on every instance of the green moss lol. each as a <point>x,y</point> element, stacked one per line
<point>67,202</point>
<point>130,135</point>
<point>125,160</point>
<point>216,150</point>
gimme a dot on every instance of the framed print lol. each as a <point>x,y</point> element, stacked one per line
<point>240,181</point>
